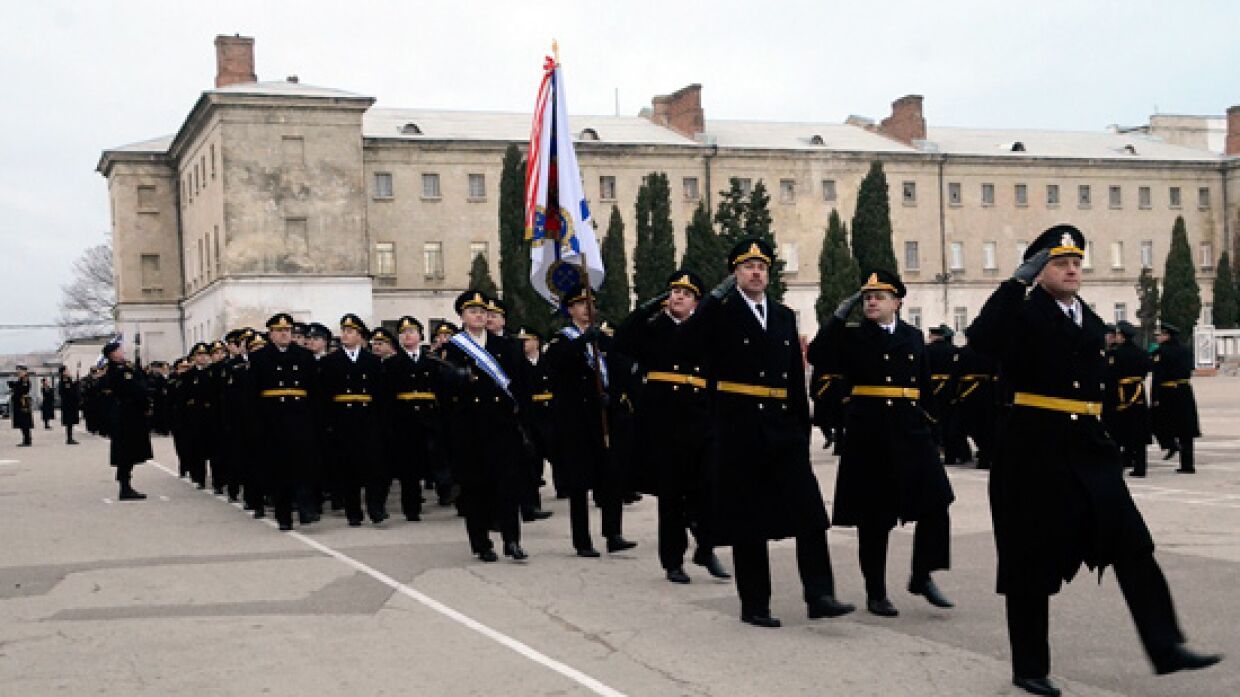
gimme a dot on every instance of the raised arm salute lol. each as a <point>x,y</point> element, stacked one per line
<point>1057,493</point>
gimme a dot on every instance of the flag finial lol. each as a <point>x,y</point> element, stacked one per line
<point>555,50</point>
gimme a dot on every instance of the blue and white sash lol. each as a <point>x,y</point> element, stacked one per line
<point>484,360</point>
<point>573,333</point>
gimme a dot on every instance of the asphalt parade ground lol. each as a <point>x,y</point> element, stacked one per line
<point>185,593</point>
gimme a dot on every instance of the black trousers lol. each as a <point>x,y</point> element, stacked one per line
<point>124,473</point>
<point>1149,602</point>
<point>753,571</point>
<point>1134,456</point>
<point>593,472</point>
<point>679,513</point>
<point>1185,445</point>
<point>487,505</point>
<point>25,435</point>
<point>931,551</point>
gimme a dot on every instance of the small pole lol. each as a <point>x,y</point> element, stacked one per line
<point>598,355</point>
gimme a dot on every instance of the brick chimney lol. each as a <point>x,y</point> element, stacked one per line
<point>906,123</point>
<point>1233,131</point>
<point>234,60</point>
<point>680,111</point>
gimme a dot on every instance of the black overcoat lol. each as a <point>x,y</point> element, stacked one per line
<point>672,430</point>
<point>766,488</point>
<point>484,421</point>
<point>21,404</point>
<point>70,400</point>
<point>889,470</point>
<point>1057,492</point>
<point>355,453</point>
<point>284,423</point>
<point>1175,407</point>
<point>127,410</point>
<point>578,409</point>
<point>1125,410</point>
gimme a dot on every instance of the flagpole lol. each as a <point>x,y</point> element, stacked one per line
<point>598,355</point>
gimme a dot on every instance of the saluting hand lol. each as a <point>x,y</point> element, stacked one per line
<point>850,303</point>
<point>1029,270</point>
<point>727,284</point>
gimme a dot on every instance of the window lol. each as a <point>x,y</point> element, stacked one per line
<point>1207,313</point>
<point>1052,195</point>
<point>787,191</point>
<point>1147,254</point>
<point>912,256</point>
<point>957,256</point>
<point>909,193</point>
<point>383,185</point>
<point>385,259</point>
<point>206,248</point>
<point>828,190</point>
<point>989,262</point>
<point>988,194</point>
<point>607,188</point>
<point>1205,252</point>
<point>150,272</point>
<point>432,260</point>
<point>1173,195</point>
<point>1143,197</point>
<point>202,161</point>
<point>914,316</point>
<point>296,236</point>
<point>1115,197</point>
<point>1021,246</point>
<point>960,319</point>
<point>953,193</point>
<point>477,187</point>
<point>146,199</point>
<point>293,151</point>
<point>1083,196</point>
<point>1087,260</point>
<point>201,269</point>
<point>215,242</point>
<point>791,257</point>
<point>477,249</point>
<point>690,186</point>
<point>746,185</point>
<point>430,186</point>
<point>1121,312</point>
<point>1203,198</point>
<point>213,160</point>
<point>1022,195</point>
<point>1117,255</point>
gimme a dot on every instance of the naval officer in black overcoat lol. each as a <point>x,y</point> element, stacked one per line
<point>1057,493</point>
<point>766,489</point>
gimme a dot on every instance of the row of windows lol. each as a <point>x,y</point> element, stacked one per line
<point>1084,195</point>
<point>990,259</point>
<point>432,258</point>
<point>691,191</point>
<point>195,180</point>
<point>960,315</point>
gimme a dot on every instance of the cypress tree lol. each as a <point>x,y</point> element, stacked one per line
<point>703,249</point>
<point>1226,306</point>
<point>480,276</point>
<point>524,305</point>
<point>613,295</point>
<point>730,214</point>
<point>871,224</point>
<point>654,258</point>
<point>838,276</point>
<point>1181,296</point>
<point>757,223</point>
<point>1147,306</point>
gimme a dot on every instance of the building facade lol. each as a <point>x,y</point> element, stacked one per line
<point>281,196</point>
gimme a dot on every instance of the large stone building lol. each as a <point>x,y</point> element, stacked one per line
<point>281,196</point>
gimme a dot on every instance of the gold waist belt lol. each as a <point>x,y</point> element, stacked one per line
<point>941,376</point>
<point>1173,383</point>
<point>1066,406</point>
<point>415,396</point>
<point>1132,379</point>
<point>676,378</point>
<point>879,391</point>
<point>752,390</point>
<point>284,392</point>
<point>351,398</point>
<point>542,397</point>
<point>971,377</point>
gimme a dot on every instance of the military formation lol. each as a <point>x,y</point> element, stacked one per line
<point>699,397</point>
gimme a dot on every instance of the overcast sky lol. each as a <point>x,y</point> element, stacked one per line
<point>79,77</point>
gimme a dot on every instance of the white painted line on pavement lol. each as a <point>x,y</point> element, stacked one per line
<point>164,498</point>
<point>9,462</point>
<point>107,501</point>
<point>493,634</point>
